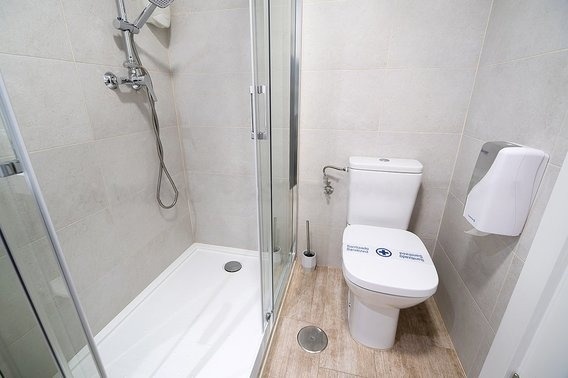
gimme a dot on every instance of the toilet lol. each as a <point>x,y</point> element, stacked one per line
<point>386,267</point>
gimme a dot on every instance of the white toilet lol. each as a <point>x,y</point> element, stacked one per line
<point>386,267</point>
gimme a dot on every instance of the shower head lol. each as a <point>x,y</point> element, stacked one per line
<point>147,12</point>
<point>161,3</point>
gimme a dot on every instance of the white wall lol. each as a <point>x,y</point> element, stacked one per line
<point>210,60</point>
<point>93,149</point>
<point>383,78</point>
<point>520,96</point>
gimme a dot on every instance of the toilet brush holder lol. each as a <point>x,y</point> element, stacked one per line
<point>308,258</point>
<point>308,261</point>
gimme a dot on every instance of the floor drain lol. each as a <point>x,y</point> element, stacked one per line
<point>312,339</point>
<point>233,266</point>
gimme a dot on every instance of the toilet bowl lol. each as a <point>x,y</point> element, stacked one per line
<point>385,267</point>
<point>386,270</point>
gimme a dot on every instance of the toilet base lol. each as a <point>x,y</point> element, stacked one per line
<point>375,328</point>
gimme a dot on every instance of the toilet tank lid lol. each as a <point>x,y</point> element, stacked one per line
<point>383,164</point>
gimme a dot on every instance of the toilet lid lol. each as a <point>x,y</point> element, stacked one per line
<point>389,261</point>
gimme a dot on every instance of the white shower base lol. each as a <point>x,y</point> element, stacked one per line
<point>194,320</point>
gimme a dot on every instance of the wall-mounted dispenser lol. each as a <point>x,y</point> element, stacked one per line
<point>503,187</point>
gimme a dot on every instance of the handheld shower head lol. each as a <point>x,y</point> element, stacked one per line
<point>161,3</point>
<point>147,12</point>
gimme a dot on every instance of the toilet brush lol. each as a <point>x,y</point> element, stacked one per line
<point>308,256</point>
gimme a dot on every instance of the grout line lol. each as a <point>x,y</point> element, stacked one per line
<point>190,12</point>
<point>61,60</point>
<point>192,214</point>
<point>552,52</point>
<point>375,130</point>
<point>386,68</point>
<point>466,115</point>
<point>447,332</point>
<point>464,284</point>
<point>501,290</point>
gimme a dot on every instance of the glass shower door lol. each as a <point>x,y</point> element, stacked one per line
<point>282,22</point>
<point>29,247</point>
<point>273,32</point>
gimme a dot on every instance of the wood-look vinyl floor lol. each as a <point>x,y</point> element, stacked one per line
<point>422,349</point>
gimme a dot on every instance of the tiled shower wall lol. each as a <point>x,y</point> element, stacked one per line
<point>210,60</point>
<point>92,148</point>
<point>520,95</point>
<point>383,78</point>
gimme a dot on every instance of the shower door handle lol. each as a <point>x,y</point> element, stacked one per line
<point>261,90</point>
<point>252,115</point>
<point>261,135</point>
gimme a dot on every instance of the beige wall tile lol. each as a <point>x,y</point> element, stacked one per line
<point>560,149</point>
<point>181,7</point>
<point>440,33</point>
<point>481,354</point>
<point>226,230</point>
<point>218,100</point>
<point>463,319</point>
<point>465,163</point>
<point>428,212</point>
<point>522,101</point>
<point>202,145</point>
<point>346,100</point>
<point>16,313</point>
<point>211,42</point>
<point>426,100</point>
<point>92,247</point>
<point>34,29</point>
<point>506,291</point>
<point>525,28</point>
<point>95,40</point>
<point>537,209</point>
<point>71,181</point>
<point>40,101</point>
<point>436,152</point>
<point>332,40</point>
<point>481,261</point>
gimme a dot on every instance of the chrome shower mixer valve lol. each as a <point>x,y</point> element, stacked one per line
<point>133,80</point>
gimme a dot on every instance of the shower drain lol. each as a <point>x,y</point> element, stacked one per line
<point>312,339</point>
<point>233,266</point>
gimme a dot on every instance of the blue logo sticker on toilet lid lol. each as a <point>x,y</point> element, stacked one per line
<point>383,252</point>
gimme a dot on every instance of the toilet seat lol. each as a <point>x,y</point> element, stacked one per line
<point>389,261</point>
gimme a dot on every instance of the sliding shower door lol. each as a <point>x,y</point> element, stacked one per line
<point>40,328</point>
<point>274,128</point>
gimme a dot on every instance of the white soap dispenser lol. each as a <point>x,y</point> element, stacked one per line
<point>503,187</point>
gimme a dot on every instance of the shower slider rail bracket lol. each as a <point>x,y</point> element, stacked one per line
<point>10,168</point>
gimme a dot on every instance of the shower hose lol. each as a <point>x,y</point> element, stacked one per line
<point>162,169</point>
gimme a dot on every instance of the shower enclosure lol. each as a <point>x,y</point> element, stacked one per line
<point>97,278</point>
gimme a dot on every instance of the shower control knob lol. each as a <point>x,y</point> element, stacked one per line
<point>110,79</point>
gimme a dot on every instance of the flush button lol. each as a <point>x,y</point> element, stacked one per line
<point>384,160</point>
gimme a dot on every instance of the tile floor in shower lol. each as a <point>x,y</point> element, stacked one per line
<point>423,347</point>
<point>194,320</point>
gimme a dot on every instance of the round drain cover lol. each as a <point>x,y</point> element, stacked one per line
<point>233,266</point>
<point>312,339</point>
